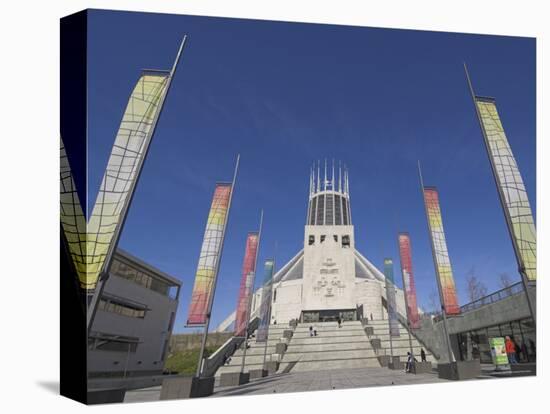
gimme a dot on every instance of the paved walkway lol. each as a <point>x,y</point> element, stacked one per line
<point>325,380</point>
<point>306,381</point>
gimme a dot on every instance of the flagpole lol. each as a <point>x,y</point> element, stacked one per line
<point>521,266</point>
<point>441,297</point>
<point>104,275</point>
<point>216,271</point>
<point>251,291</point>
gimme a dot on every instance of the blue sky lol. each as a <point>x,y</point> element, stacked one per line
<point>286,94</point>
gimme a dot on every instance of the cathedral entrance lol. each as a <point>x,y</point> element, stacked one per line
<point>328,315</point>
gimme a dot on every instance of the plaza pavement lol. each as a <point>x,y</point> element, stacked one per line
<point>319,381</point>
<point>306,381</point>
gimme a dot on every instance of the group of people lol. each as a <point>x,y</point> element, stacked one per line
<point>313,328</point>
<point>517,353</point>
<point>411,359</point>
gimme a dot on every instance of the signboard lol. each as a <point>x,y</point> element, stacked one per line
<point>498,351</point>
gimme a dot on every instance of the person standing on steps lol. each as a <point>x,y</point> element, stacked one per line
<point>310,330</point>
<point>314,330</point>
<point>339,322</point>
<point>422,355</point>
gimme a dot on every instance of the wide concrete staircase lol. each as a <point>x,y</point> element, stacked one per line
<point>255,354</point>
<point>400,344</point>
<point>332,348</point>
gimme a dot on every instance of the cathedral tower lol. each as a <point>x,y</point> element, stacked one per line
<point>329,261</point>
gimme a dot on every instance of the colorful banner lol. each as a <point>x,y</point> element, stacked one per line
<point>409,287</point>
<point>440,252</point>
<point>247,283</point>
<point>89,247</point>
<point>390,298</point>
<point>265,306</point>
<point>209,258</point>
<point>498,351</point>
<point>511,188</point>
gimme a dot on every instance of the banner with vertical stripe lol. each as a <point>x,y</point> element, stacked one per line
<point>409,287</point>
<point>440,252</point>
<point>210,255</point>
<point>247,279</point>
<point>390,297</point>
<point>265,306</point>
<point>511,188</point>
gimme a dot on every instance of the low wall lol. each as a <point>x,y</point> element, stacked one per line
<point>185,342</point>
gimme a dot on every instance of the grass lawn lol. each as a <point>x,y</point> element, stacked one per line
<point>185,362</point>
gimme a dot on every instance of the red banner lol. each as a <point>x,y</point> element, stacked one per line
<point>408,279</point>
<point>247,281</point>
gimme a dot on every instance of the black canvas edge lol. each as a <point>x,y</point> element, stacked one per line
<point>73,116</point>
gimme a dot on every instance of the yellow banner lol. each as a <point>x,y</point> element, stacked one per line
<point>89,243</point>
<point>511,187</point>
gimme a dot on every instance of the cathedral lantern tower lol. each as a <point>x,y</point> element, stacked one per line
<point>329,261</point>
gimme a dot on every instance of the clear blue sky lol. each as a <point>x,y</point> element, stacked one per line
<point>285,94</point>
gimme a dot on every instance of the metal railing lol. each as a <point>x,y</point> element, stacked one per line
<point>493,297</point>
<point>218,358</point>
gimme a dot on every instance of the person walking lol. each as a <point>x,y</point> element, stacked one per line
<point>310,330</point>
<point>510,351</point>
<point>339,322</point>
<point>408,364</point>
<point>314,330</point>
<point>422,355</point>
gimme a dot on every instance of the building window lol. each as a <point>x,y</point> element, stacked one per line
<point>323,237</point>
<point>337,210</point>
<point>320,210</point>
<point>329,220</point>
<point>345,211</point>
<point>313,211</point>
<point>124,309</point>
<point>335,238</point>
<point>274,295</point>
<point>345,241</point>
<point>113,343</point>
<point>140,277</point>
<point>311,240</point>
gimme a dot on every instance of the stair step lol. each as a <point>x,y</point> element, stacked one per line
<point>302,366</point>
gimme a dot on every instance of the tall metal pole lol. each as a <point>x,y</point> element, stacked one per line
<point>216,271</point>
<point>104,275</point>
<point>252,291</point>
<point>441,297</point>
<point>521,266</point>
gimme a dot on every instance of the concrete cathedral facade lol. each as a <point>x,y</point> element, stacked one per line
<point>329,277</point>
